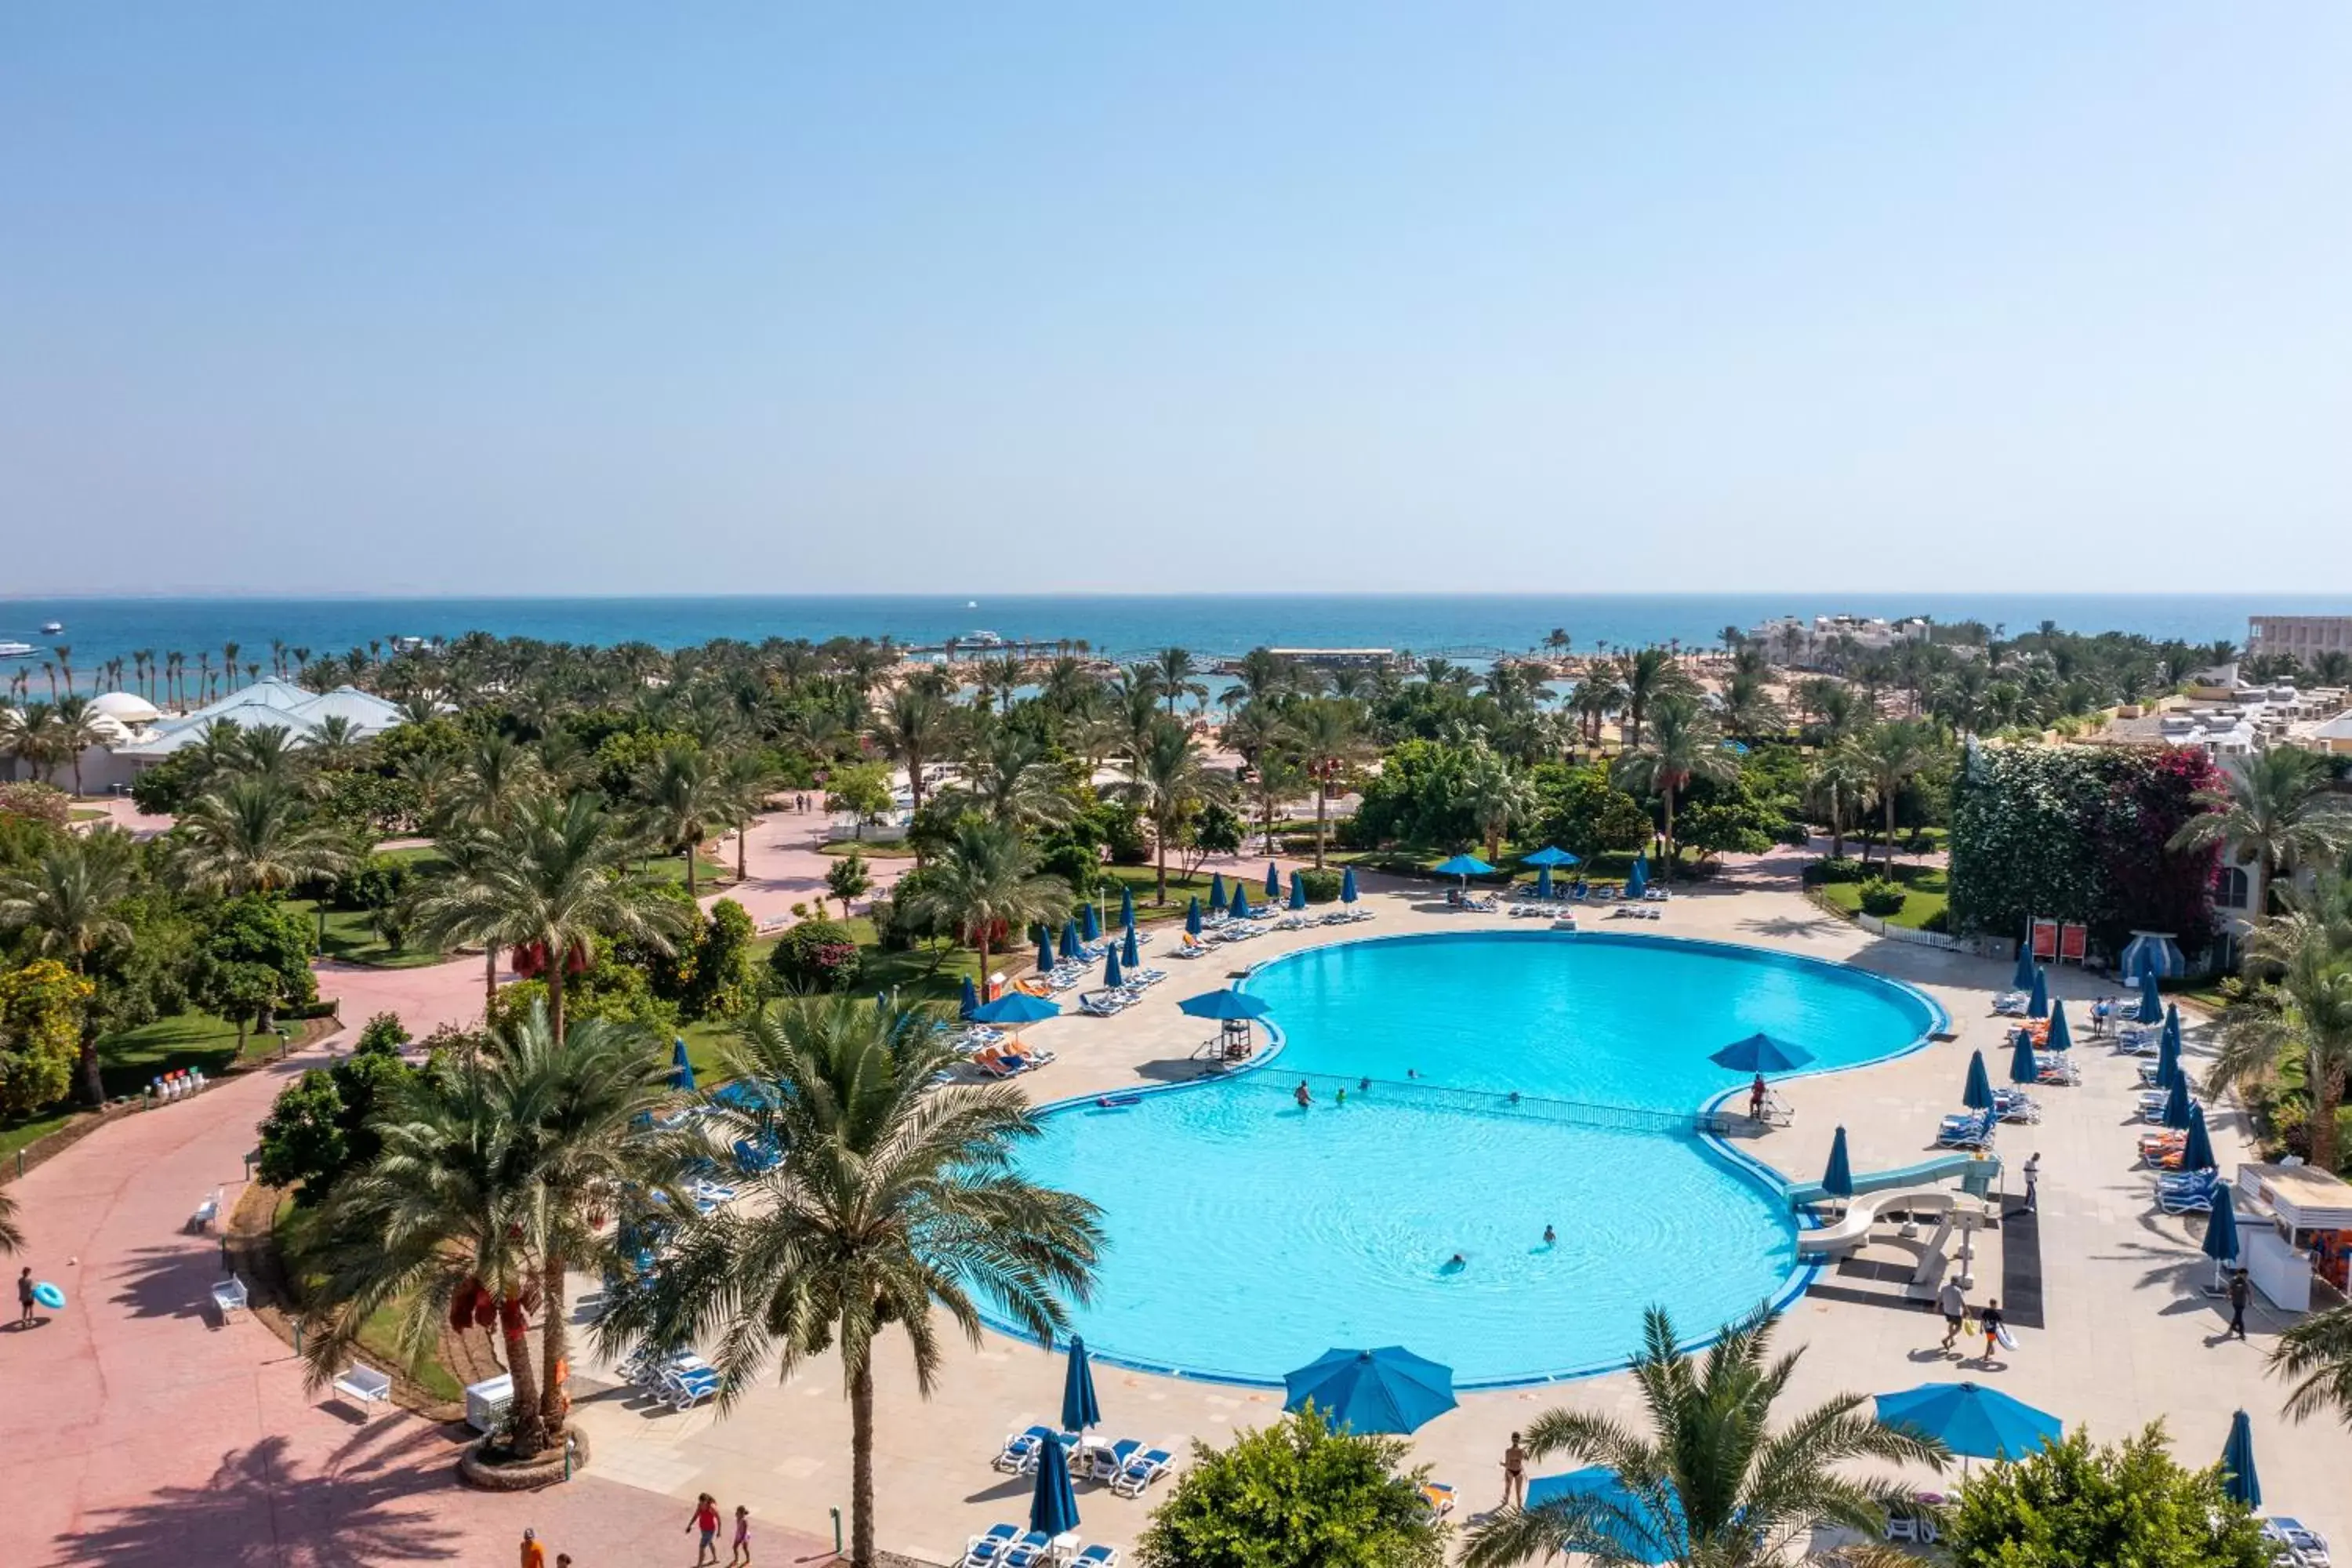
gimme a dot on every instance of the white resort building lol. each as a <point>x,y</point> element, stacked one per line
<point>138,734</point>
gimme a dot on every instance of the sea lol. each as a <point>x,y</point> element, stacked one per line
<point>1468,627</point>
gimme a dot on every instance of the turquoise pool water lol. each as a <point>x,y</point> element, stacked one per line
<point>1247,1236</point>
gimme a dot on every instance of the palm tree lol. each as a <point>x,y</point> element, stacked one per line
<point>1710,1482</point>
<point>1683,744</point>
<point>1258,676</point>
<point>1012,779</point>
<point>1838,787</point>
<point>914,727</point>
<point>1326,736</point>
<point>748,776</point>
<point>2302,1013</point>
<point>2272,808</point>
<point>1894,750</point>
<point>2318,1352</point>
<point>11,1236</point>
<point>1178,675</point>
<point>1649,674</point>
<point>1496,796</point>
<point>681,793</point>
<point>36,734</point>
<point>553,873</point>
<point>986,884</point>
<point>251,835</point>
<point>336,743</point>
<point>1168,780</point>
<point>69,898</point>
<point>896,1200</point>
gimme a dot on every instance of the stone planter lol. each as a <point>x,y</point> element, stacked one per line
<point>545,1470</point>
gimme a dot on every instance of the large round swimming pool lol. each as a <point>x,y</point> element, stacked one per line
<point>1247,1236</point>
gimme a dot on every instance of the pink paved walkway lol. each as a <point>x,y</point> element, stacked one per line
<point>141,1433</point>
<point>787,866</point>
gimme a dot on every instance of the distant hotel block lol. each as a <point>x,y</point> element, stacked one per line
<point>1795,640</point>
<point>2298,636</point>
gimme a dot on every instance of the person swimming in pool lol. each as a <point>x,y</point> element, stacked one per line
<point>1363,1085</point>
<point>1551,1236</point>
<point>1300,1095</point>
<point>1457,1262</point>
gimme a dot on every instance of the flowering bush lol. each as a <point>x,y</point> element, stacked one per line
<point>42,803</point>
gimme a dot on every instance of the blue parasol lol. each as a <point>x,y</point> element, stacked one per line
<point>681,1067</point>
<point>1762,1053</point>
<point>1347,886</point>
<point>2022,1067</point>
<point>1130,954</point>
<point>1977,1094</point>
<point>968,1003</point>
<point>2222,1233</point>
<point>2039,1007</point>
<point>1112,978</point>
<point>1193,915</point>
<point>1053,1505</point>
<point>1547,856</point>
<point>1071,946</point>
<point>1543,881</point>
<point>2197,1149</point>
<point>1079,1407</point>
<point>1127,906</point>
<point>1016,1008</point>
<point>2168,1059</point>
<point>1240,909</point>
<point>2026,968</point>
<point>1969,1418</point>
<point>2238,1477</point>
<point>2175,1104</point>
<point>1602,1505</point>
<point>1045,953</point>
<point>1637,880</point>
<point>1837,1177</point>
<point>2151,1003</point>
<point>1273,882</point>
<point>1216,890</point>
<point>1462,865</point>
<point>1089,928</point>
<point>1386,1390</point>
<point>1227,1005</point>
<point>2061,1037</point>
<point>1298,892</point>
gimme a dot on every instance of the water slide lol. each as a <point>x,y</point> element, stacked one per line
<point>1851,1228</point>
<point>1975,1176</point>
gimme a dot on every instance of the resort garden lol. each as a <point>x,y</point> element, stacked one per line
<point>558,813</point>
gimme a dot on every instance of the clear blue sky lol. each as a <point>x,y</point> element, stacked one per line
<point>766,298</point>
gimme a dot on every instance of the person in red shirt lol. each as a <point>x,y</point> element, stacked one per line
<point>706,1520</point>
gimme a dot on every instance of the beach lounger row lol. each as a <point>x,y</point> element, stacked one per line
<point>1966,1129</point>
<point>1005,1546</point>
<point>2189,1192</point>
<point>681,1380</point>
<point>2303,1546</point>
<point>1632,912</point>
<point>1006,1062</point>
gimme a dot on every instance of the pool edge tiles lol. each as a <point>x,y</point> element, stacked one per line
<point>1880,1019</point>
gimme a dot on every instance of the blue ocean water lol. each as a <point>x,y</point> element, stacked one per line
<point>1247,1236</point>
<point>1462,626</point>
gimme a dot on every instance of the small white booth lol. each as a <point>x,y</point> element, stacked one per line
<point>2309,1230</point>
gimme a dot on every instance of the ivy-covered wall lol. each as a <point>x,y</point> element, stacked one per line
<point>2079,832</point>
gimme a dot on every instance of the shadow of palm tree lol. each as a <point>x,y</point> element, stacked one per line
<point>168,1282</point>
<point>1791,926</point>
<point>371,1505</point>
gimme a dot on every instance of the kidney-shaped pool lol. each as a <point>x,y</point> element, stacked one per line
<point>1496,1083</point>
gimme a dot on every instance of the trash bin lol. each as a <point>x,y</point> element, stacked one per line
<point>487,1402</point>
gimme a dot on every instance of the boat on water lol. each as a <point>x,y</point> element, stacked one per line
<point>51,628</point>
<point>16,649</point>
<point>980,639</point>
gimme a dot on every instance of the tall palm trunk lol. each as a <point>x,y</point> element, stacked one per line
<point>1160,846</point>
<point>742,848</point>
<point>489,977</point>
<point>2326,1094</point>
<point>861,1461</point>
<point>1322,819</point>
<point>529,1421</point>
<point>555,967</point>
<point>1890,827</point>
<point>553,1346</point>
<point>1673,856</point>
<point>690,847</point>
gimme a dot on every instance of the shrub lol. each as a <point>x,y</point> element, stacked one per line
<point>1881,897</point>
<point>2068,1502</point>
<point>40,1034</point>
<point>40,802</point>
<point>377,883</point>
<point>721,983</point>
<point>302,1140</point>
<point>815,955</point>
<point>1293,1494</point>
<point>1322,886</point>
<point>1844,869</point>
<point>383,1035</point>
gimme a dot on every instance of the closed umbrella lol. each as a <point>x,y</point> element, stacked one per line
<point>1837,1177</point>
<point>1079,1409</point>
<point>2023,1068</point>
<point>2039,1006</point>
<point>1637,880</point>
<point>1273,882</point>
<point>1127,906</point>
<point>1977,1093</point>
<point>2238,1477</point>
<point>1045,953</point>
<point>1241,908</point>
<point>1193,915</point>
<point>2221,1234</point>
<point>1112,978</point>
<point>1971,1419</point>
<point>2026,968</point>
<point>2168,1061</point>
<point>1298,892</point>
<point>2172,1026</point>
<point>2197,1149</point>
<point>1089,928</point>
<point>2175,1104</point>
<point>1597,1499</point>
<point>1543,882</point>
<point>2061,1036</point>
<point>1053,1505</point>
<point>2151,1004</point>
<point>1347,886</point>
<point>1129,952</point>
<point>1071,946</point>
<point>1386,1390</point>
<point>1762,1053</point>
<point>681,1067</point>
<point>1216,890</point>
<point>968,1003</point>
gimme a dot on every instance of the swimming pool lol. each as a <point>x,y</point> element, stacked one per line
<point>1246,1236</point>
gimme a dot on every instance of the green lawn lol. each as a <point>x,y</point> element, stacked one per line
<point>896,850</point>
<point>126,1061</point>
<point>351,937</point>
<point>1182,889</point>
<point>1927,895</point>
<point>17,1134</point>
<point>379,1335</point>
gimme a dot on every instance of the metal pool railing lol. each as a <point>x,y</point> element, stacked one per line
<point>1326,1088</point>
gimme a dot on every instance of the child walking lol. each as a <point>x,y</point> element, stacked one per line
<point>742,1557</point>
